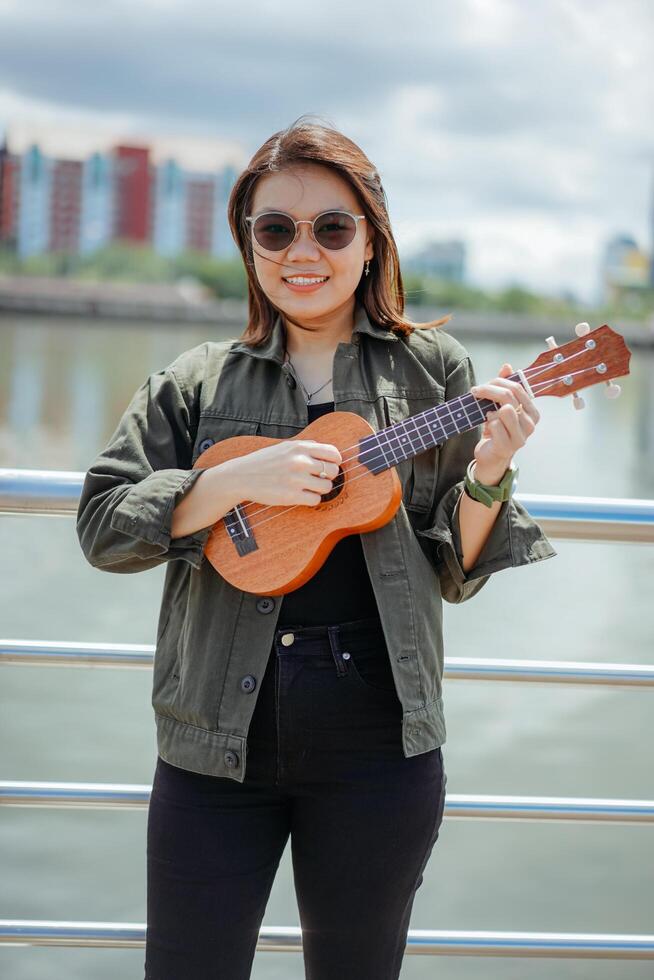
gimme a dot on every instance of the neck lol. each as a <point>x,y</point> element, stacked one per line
<point>313,339</point>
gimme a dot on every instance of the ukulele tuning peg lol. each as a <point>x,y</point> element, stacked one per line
<point>578,400</point>
<point>551,343</point>
<point>582,329</point>
<point>611,390</point>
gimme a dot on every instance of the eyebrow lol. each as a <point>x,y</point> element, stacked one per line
<point>338,207</point>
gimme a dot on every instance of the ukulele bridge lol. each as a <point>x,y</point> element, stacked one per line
<point>239,530</point>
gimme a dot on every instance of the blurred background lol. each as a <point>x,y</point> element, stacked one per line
<point>515,146</point>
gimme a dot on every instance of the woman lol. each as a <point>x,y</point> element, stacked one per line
<point>319,714</point>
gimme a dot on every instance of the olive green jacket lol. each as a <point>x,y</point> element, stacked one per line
<point>213,640</point>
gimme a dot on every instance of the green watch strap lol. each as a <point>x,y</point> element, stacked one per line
<point>486,494</point>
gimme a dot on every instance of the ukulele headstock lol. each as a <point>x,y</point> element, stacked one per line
<point>597,356</point>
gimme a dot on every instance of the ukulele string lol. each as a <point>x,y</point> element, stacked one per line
<point>534,372</point>
<point>236,523</point>
<point>368,472</point>
<point>355,456</point>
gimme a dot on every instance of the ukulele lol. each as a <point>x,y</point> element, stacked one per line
<point>274,549</point>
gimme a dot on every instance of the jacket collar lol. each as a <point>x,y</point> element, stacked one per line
<point>273,348</point>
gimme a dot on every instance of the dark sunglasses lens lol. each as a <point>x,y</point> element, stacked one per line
<point>335,229</point>
<point>274,231</point>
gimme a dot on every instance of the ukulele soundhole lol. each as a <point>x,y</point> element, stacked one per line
<point>337,486</point>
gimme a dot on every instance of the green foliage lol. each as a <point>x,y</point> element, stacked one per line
<point>226,278</point>
<point>126,262</point>
<point>420,290</point>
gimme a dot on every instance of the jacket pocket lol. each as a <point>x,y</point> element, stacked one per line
<point>418,475</point>
<point>214,428</point>
<point>165,678</point>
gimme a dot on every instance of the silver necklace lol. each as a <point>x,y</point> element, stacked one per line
<point>308,395</point>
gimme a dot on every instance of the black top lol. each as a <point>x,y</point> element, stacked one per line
<point>341,589</point>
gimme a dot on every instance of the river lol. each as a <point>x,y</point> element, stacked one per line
<point>63,387</point>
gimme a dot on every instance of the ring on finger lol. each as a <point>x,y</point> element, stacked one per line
<point>323,475</point>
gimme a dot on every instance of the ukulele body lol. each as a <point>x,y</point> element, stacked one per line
<point>287,544</point>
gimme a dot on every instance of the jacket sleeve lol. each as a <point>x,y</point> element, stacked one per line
<point>515,538</point>
<point>126,505</point>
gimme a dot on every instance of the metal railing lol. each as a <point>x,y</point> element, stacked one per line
<point>56,493</point>
<point>43,492</point>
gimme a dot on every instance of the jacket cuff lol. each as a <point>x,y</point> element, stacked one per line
<point>146,514</point>
<point>514,539</point>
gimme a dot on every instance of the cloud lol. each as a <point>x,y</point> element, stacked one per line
<point>480,115</point>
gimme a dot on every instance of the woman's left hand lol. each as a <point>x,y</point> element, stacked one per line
<point>507,429</point>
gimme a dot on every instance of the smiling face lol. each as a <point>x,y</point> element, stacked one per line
<point>306,192</point>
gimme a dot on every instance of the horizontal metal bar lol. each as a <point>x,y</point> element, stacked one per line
<point>420,942</point>
<point>137,796</point>
<point>60,653</point>
<point>55,493</point>
<point>618,519</point>
<point>543,671</point>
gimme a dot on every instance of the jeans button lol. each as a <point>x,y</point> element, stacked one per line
<point>248,683</point>
<point>231,759</point>
<point>205,444</point>
<point>287,639</point>
<point>265,604</point>
<point>346,655</point>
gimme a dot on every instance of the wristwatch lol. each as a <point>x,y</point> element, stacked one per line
<point>486,494</point>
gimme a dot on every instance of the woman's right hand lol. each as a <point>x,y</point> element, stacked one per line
<point>286,473</point>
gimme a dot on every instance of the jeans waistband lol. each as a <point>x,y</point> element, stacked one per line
<point>346,631</point>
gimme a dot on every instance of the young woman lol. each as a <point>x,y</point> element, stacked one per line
<point>317,715</point>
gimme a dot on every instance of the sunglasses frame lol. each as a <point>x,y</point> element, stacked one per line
<point>306,221</point>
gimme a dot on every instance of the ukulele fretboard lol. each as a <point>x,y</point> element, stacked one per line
<point>423,431</point>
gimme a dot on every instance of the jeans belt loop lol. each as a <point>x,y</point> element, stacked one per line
<point>335,644</point>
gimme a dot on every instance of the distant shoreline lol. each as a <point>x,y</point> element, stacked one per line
<point>161,303</point>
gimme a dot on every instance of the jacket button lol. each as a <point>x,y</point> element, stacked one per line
<point>290,381</point>
<point>231,759</point>
<point>265,604</point>
<point>248,683</point>
<point>205,444</point>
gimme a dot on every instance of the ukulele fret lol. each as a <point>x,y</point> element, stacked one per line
<point>430,428</point>
<point>292,542</point>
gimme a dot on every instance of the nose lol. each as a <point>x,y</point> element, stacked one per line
<point>304,244</point>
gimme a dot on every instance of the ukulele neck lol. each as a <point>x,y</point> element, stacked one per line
<point>423,431</point>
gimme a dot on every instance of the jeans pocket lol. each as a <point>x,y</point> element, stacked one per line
<point>373,672</point>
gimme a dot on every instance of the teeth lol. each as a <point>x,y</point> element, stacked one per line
<point>303,281</point>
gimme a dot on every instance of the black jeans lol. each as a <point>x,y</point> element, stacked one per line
<point>324,765</point>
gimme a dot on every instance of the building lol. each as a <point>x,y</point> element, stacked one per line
<point>77,192</point>
<point>440,259</point>
<point>625,270</point>
<point>97,218</point>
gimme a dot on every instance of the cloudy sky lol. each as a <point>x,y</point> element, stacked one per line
<point>523,128</point>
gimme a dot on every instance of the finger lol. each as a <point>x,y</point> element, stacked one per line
<point>324,450</point>
<point>511,422</point>
<point>499,390</point>
<point>501,438</point>
<point>311,499</point>
<point>331,469</point>
<point>504,391</point>
<point>315,484</point>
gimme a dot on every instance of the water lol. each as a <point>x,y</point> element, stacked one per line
<point>63,387</point>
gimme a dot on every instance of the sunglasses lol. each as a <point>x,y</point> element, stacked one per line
<point>275,230</point>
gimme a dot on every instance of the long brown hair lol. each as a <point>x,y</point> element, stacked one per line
<point>382,291</point>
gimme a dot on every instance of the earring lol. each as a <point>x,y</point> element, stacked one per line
<point>367,266</point>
